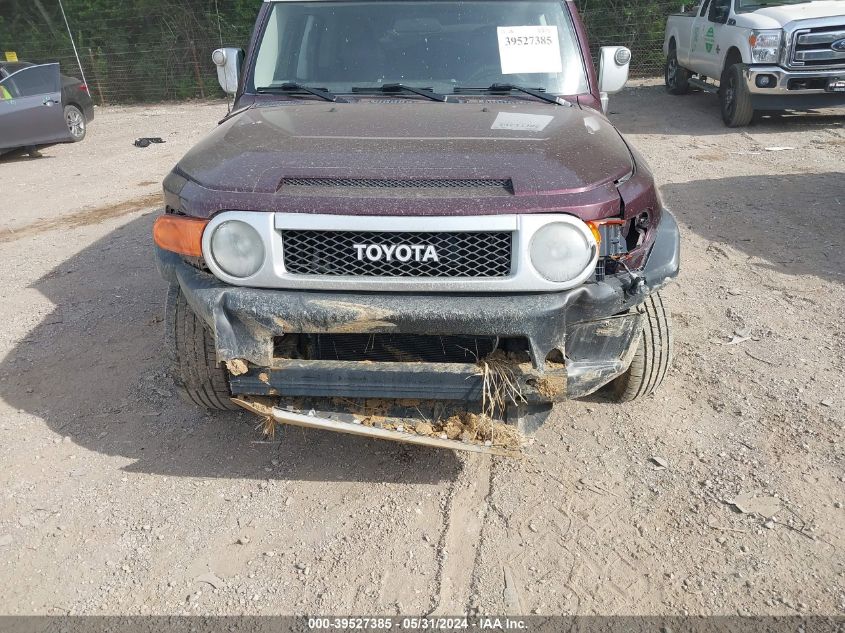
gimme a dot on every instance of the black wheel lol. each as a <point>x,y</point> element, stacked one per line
<point>652,358</point>
<point>75,123</point>
<point>737,110</point>
<point>676,76</point>
<point>200,379</point>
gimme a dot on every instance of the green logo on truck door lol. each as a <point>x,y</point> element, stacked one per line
<point>709,39</point>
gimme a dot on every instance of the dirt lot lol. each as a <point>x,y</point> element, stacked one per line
<point>119,498</point>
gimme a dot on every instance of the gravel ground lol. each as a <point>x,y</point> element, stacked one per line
<point>118,498</point>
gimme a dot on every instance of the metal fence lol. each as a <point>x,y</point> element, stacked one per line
<point>156,50</point>
<point>640,25</point>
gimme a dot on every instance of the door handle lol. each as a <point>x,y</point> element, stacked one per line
<point>48,102</point>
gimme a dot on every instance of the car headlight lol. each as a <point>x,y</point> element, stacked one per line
<point>765,46</point>
<point>237,248</point>
<point>561,252</point>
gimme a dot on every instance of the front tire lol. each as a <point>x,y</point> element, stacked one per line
<point>199,378</point>
<point>76,124</point>
<point>675,75</point>
<point>652,358</point>
<point>735,97</point>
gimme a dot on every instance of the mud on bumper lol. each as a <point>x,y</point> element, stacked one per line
<point>595,327</point>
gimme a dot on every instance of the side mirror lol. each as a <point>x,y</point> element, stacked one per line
<point>228,62</point>
<point>614,62</point>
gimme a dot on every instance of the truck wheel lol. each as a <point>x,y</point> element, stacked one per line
<point>200,379</point>
<point>652,358</point>
<point>737,110</point>
<point>677,77</point>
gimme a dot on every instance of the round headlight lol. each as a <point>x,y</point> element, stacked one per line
<point>237,248</point>
<point>560,252</point>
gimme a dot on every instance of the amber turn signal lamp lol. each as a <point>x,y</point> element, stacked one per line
<point>179,234</point>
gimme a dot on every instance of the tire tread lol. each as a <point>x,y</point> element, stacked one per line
<point>653,356</point>
<point>199,378</point>
<point>744,112</point>
<point>682,86</point>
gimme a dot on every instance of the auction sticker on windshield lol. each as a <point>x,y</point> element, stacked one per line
<point>529,49</point>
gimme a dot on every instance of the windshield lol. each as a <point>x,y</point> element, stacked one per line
<point>743,6</point>
<point>438,45</point>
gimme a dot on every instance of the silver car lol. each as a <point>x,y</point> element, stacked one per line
<point>31,113</point>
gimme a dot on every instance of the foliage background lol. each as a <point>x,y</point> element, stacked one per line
<point>155,50</point>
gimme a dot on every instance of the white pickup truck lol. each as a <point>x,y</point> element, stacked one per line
<point>766,55</point>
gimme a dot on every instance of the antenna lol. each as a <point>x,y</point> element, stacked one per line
<point>72,43</point>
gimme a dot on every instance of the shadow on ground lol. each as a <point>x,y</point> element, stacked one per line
<point>22,156</point>
<point>94,370</point>
<point>651,110</point>
<point>792,223</point>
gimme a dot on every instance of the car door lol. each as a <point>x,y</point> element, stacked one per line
<point>709,52</point>
<point>699,26</point>
<point>31,108</point>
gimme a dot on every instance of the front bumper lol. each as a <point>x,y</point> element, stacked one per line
<point>596,326</point>
<point>793,89</point>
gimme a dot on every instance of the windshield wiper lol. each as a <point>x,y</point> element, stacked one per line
<point>393,88</point>
<point>291,87</point>
<point>534,92</point>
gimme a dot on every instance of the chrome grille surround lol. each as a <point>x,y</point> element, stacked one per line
<point>521,276</point>
<point>809,44</point>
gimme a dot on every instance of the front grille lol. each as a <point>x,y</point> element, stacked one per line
<point>465,187</point>
<point>334,253</point>
<point>812,48</point>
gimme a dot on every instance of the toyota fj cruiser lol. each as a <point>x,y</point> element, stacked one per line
<point>419,203</point>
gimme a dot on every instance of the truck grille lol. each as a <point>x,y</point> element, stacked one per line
<point>334,253</point>
<point>813,48</point>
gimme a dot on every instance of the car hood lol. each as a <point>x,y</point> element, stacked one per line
<point>783,15</point>
<point>540,148</point>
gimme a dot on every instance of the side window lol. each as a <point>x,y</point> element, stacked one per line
<point>33,81</point>
<point>720,10</point>
<point>704,7</point>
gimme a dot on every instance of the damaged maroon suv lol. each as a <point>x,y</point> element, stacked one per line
<point>416,208</point>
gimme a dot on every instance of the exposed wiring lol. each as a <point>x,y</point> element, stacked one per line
<point>637,281</point>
